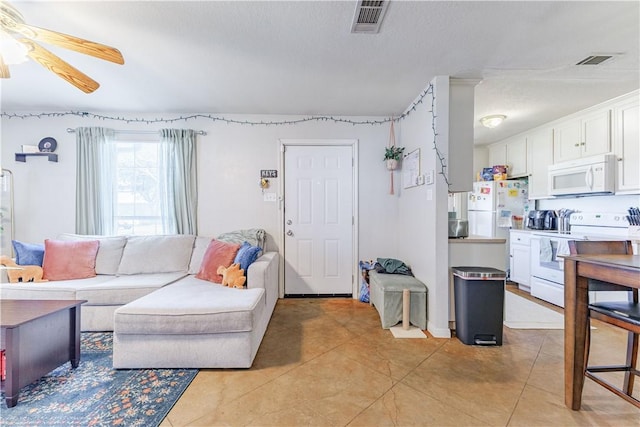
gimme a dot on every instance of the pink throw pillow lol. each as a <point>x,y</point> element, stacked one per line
<point>218,254</point>
<point>64,260</point>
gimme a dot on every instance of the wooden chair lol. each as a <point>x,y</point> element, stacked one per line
<point>623,314</point>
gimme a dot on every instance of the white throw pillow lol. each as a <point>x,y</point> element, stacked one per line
<point>156,254</point>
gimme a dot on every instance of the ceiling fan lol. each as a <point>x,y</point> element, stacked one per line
<point>16,33</point>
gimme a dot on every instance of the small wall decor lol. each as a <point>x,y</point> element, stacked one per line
<point>30,148</point>
<point>47,145</point>
<point>392,154</point>
<point>411,169</point>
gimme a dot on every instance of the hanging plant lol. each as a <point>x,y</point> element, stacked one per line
<point>392,155</point>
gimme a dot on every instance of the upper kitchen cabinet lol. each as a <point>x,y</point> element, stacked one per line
<point>626,144</point>
<point>582,136</point>
<point>540,149</point>
<point>460,162</point>
<point>498,154</point>
<point>517,157</point>
<point>511,152</point>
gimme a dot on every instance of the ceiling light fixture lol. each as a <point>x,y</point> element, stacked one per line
<point>492,121</point>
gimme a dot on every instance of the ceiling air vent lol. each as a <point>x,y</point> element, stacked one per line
<point>368,16</point>
<point>594,60</point>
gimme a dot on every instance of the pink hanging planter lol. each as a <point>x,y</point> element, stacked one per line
<point>392,155</point>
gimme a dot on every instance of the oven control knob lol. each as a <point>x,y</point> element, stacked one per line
<point>616,218</point>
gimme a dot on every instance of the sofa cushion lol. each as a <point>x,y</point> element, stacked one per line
<point>61,289</point>
<point>156,254</point>
<point>199,248</point>
<point>218,254</point>
<point>123,289</point>
<point>69,260</point>
<point>28,253</point>
<point>191,306</point>
<point>109,252</point>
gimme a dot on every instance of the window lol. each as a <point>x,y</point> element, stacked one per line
<point>136,184</point>
<point>137,203</point>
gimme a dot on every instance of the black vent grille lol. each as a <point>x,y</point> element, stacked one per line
<point>368,16</point>
<point>594,60</point>
<point>370,12</point>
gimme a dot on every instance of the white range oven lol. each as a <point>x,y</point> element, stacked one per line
<point>547,268</point>
<point>547,265</point>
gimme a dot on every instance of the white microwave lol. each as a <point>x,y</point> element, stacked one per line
<point>588,175</point>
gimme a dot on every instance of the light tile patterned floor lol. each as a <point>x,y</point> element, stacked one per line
<point>327,362</point>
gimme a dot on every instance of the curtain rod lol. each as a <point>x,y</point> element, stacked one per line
<point>139,132</point>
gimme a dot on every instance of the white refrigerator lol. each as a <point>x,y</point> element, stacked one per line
<point>492,206</point>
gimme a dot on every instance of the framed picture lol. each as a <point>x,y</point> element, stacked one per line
<point>411,169</point>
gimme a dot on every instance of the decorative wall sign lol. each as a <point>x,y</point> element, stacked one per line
<point>268,173</point>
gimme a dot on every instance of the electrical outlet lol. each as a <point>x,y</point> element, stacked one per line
<point>420,180</point>
<point>270,197</point>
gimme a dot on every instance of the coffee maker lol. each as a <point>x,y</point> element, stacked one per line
<point>535,220</point>
<point>542,220</point>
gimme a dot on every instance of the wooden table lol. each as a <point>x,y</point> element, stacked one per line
<point>618,269</point>
<point>37,336</point>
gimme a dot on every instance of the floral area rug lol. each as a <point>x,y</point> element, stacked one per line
<point>95,394</point>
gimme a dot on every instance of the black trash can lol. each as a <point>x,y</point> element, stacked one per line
<point>479,304</point>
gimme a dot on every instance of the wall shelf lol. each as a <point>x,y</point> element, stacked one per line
<point>22,157</point>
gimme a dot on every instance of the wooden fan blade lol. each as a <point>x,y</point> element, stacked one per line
<point>66,41</point>
<point>4,69</point>
<point>60,67</point>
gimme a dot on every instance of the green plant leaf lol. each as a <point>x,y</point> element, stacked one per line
<point>393,152</point>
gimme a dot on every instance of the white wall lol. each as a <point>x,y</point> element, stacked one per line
<point>230,158</point>
<point>410,225</point>
<point>422,225</point>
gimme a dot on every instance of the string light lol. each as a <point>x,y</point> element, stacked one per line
<point>439,155</point>
<point>223,119</point>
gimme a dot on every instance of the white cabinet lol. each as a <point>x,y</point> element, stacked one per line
<point>626,142</point>
<point>498,154</point>
<point>513,153</point>
<point>540,149</point>
<point>460,161</point>
<point>519,253</point>
<point>517,157</point>
<point>582,136</point>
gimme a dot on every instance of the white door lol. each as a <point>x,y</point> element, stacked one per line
<point>318,216</point>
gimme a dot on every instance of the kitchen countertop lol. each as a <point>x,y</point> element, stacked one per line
<point>580,235</point>
<point>477,239</point>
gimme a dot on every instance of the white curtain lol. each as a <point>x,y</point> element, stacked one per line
<point>95,179</point>
<point>178,187</point>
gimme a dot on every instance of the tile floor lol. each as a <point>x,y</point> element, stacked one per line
<point>327,362</point>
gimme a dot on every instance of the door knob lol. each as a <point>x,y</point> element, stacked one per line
<point>289,222</point>
<point>289,233</point>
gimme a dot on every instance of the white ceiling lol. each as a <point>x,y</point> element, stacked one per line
<point>299,57</point>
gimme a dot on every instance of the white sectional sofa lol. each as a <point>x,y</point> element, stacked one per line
<point>162,315</point>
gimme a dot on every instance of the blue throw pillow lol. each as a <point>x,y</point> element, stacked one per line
<point>28,253</point>
<point>246,255</point>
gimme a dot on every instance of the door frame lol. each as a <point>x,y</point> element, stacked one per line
<point>353,143</point>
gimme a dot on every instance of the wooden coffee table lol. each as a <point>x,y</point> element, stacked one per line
<point>37,336</point>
